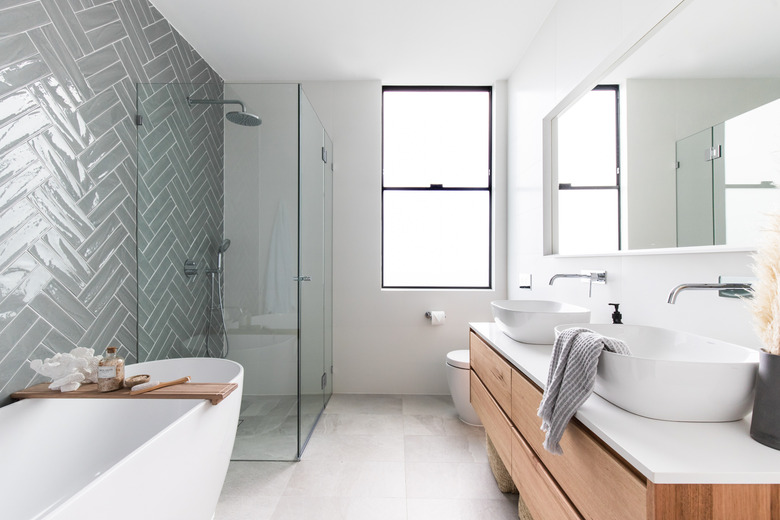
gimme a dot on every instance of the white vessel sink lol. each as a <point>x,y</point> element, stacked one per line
<point>675,376</point>
<point>533,321</point>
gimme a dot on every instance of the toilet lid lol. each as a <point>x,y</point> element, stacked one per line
<point>458,359</point>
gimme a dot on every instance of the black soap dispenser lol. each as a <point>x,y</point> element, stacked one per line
<point>617,318</point>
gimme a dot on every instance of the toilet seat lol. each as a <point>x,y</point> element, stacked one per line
<point>458,359</point>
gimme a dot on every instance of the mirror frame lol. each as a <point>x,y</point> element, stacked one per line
<point>550,194</point>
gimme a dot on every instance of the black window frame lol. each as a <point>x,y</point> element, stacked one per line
<point>617,185</point>
<point>439,187</point>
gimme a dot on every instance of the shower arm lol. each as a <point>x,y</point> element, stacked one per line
<point>191,102</point>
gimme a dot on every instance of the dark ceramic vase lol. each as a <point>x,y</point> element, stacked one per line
<point>765,426</point>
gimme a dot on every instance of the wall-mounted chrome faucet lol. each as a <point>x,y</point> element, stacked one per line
<point>592,277</point>
<point>725,289</point>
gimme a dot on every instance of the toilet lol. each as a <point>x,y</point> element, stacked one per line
<point>458,381</point>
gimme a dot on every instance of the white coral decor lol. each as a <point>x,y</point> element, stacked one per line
<point>766,297</point>
<point>68,371</point>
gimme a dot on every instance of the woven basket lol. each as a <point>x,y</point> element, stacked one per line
<point>503,479</point>
<point>522,510</point>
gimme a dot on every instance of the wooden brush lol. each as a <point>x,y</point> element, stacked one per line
<point>154,385</point>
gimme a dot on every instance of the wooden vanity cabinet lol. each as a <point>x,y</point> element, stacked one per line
<point>496,423</point>
<point>599,483</point>
<point>589,480</point>
<point>493,370</point>
<point>586,482</point>
<point>540,491</point>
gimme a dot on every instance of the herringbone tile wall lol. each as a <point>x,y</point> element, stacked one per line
<point>68,70</point>
<point>180,217</point>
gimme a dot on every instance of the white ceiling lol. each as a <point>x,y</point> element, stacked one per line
<point>711,39</point>
<point>421,42</point>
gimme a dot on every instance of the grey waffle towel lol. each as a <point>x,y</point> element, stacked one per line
<point>571,378</point>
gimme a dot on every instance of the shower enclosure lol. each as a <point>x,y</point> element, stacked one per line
<point>234,247</point>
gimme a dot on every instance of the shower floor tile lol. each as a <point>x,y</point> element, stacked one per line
<point>267,428</point>
<point>258,405</point>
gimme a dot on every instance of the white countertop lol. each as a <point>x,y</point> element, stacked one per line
<point>664,452</point>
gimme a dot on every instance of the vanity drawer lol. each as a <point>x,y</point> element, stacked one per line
<point>494,372</point>
<point>497,425</point>
<point>539,491</point>
<point>598,483</point>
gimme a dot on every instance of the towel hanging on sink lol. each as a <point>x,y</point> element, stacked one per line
<point>571,378</point>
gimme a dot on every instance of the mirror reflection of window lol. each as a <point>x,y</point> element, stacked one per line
<point>752,157</point>
<point>587,166</point>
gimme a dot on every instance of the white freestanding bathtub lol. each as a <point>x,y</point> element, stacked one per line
<point>120,458</point>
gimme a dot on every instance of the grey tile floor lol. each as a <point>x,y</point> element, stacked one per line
<point>375,458</point>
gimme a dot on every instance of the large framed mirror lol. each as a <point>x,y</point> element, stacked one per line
<point>690,151</point>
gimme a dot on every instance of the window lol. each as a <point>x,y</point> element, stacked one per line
<point>588,162</point>
<point>436,187</point>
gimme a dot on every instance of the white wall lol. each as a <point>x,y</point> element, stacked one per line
<point>382,341</point>
<point>574,42</point>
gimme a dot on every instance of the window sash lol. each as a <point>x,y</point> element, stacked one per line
<point>436,239</point>
<point>388,189</point>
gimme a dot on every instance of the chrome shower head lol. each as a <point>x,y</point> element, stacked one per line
<point>242,118</point>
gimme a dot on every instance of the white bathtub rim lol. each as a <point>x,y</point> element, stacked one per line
<point>237,378</point>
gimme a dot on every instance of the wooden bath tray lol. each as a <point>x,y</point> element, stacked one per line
<point>214,392</point>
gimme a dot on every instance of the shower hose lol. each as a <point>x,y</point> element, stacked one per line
<point>218,273</point>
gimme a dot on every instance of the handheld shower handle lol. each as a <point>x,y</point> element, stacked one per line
<point>221,253</point>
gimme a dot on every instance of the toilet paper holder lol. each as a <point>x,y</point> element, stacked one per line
<point>436,317</point>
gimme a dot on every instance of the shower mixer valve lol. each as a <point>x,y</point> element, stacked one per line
<point>190,269</point>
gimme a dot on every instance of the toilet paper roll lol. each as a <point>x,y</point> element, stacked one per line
<point>438,317</point>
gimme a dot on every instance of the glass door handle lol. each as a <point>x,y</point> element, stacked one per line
<point>302,278</point>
